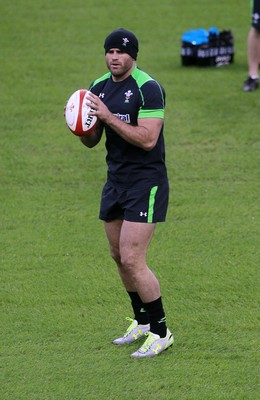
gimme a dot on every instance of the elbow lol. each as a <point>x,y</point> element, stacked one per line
<point>87,141</point>
<point>149,146</point>
<point>81,138</point>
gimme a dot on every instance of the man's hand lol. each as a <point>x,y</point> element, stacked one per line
<point>100,110</point>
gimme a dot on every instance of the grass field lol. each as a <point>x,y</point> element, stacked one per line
<point>62,301</point>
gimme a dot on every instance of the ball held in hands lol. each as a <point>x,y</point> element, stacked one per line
<point>77,115</point>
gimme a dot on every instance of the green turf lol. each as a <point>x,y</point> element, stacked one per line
<point>62,301</point>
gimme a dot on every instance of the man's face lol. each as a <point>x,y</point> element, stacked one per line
<point>119,64</point>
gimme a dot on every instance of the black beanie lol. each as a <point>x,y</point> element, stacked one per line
<point>124,40</point>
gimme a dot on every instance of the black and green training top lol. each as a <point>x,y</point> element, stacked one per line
<point>138,96</point>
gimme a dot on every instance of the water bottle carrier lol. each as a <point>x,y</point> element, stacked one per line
<point>207,48</point>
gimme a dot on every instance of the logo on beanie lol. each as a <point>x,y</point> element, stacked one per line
<point>125,41</point>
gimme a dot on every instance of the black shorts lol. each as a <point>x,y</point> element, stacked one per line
<point>147,204</point>
<point>256,14</point>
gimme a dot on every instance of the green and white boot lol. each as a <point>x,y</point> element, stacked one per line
<point>133,333</point>
<point>154,345</point>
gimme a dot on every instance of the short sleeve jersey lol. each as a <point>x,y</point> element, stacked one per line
<point>138,96</point>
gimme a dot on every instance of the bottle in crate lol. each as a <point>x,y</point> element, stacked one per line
<point>191,40</point>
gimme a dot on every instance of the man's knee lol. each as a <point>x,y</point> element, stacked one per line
<point>115,254</point>
<point>128,260</point>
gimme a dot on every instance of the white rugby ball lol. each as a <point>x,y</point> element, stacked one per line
<point>77,115</point>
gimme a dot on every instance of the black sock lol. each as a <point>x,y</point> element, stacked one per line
<point>157,317</point>
<point>140,313</point>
